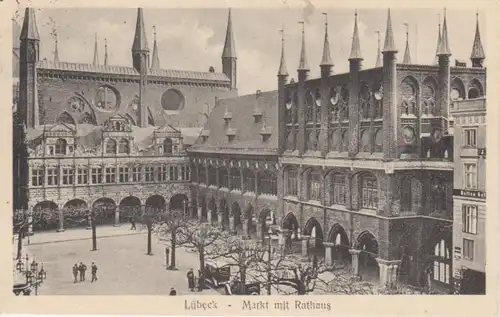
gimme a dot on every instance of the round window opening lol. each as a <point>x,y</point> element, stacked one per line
<point>107,98</point>
<point>172,100</point>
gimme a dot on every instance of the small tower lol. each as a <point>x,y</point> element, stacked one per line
<point>444,75</point>
<point>29,56</point>
<point>477,56</point>
<point>155,63</point>
<point>407,57</point>
<point>355,60</point>
<point>436,59</point>
<point>389,103</point>
<point>378,63</point>
<point>105,52</point>
<point>140,57</point>
<point>282,80</point>
<point>326,69</point>
<point>303,71</point>
<point>229,53</point>
<point>96,52</point>
<point>56,51</point>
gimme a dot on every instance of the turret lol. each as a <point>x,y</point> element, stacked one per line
<point>96,52</point>
<point>436,60</point>
<point>477,56</point>
<point>378,62</point>
<point>155,63</point>
<point>29,56</point>
<point>229,53</point>
<point>140,57</point>
<point>389,78</point>
<point>444,54</point>
<point>326,68</point>
<point>355,60</point>
<point>56,51</point>
<point>303,71</point>
<point>407,57</point>
<point>282,80</point>
<point>105,52</point>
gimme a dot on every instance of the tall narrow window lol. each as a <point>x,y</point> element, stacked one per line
<point>37,177</point>
<point>212,176</point>
<point>405,190</point>
<point>174,174</point>
<point>136,174</point>
<point>235,178</point>
<point>149,174</point>
<point>267,183</point>
<point>470,170</point>
<point>369,192</point>
<point>291,183</point>
<point>68,176</point>
<point>439,195</point>
<point>123,146</point>
<point>203,174</point>
<point>442,267</point>
<point>96,174</point>
<point>82,176</point>
<point>161,173</point>
<point>468,249</point>
<point>470,137</point>
<point>223,177</point>
<point>167,146</point>
<point>61,147</point>
<point>469,219</point>
<point>337,189</point>
<point>110,175</point>
<point>314,188</point>
<point>52,176</point>
<point>123,171</point>
<point>249,177</point>
<point>111,146</point>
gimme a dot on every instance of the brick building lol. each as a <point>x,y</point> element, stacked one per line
<point>469,196</point>
<point>113,136</point>
<point>364,160</point>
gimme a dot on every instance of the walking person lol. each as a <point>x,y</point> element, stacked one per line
<point>75,272</point>
<point>132,224</point>
<point>173,292</point>
<point>190,277</point>
<point>82,268</point>
<point>94,272</point>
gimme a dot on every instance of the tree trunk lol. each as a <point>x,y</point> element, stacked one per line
<point>173,244</point>
<point>150,229</point>
<point>202,267</point>
<point>243,279</point>
<point>19,243</point>
<point>94,235</point>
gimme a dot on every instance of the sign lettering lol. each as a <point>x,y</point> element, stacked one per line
<point>469,193</point>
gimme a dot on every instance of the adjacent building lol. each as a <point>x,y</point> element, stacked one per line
<point>469,196</point>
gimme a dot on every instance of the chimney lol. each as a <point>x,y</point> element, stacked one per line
<point>211,69</point>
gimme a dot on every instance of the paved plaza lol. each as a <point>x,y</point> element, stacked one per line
<point>123,266</point>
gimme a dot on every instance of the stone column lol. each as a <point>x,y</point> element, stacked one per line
<point>209,216</point>
<point>199,214</point>
<point>232,228</point>
<point>388,272</point>
<point>305,245</point>
<point>355,263</point>
<point>259,231</point>
<point>220,218</point>
<point>61,220</point>
<point>328,253</point>
<point>245,228</point>
<point>117,216</point>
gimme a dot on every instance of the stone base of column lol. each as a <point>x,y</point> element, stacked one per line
<point>61,230</point>
<point>328,253</point>
<point>388,272</point>
<point>355,264</point>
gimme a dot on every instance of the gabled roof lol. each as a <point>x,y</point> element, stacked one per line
<point>248,133</point>
<point>125,70</point>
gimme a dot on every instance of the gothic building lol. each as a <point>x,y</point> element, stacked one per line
<point>105,135</point>
<point>363,161</point>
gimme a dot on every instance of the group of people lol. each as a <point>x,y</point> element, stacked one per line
<point>81,269</point>
<point>192,282</point>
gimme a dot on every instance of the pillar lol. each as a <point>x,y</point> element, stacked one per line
<point>245,227</point>
<point>117,216</point>
<point>209,216</point>
<point>328,253</point>
<point>259,231</point>
<point>355,263</point>
<point>199,214</point>
<point>89,221</point>
<point>220,218</point>
<point>388,272</point>
<point>232,228</point>
<point>61,220</point>
<point>305,245</point>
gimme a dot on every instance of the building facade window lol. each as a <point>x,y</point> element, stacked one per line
<point>110,175</point>
<point>442,267</point>
<point>123,146</point>
<point>203,174</point>
<point>182,173</point>
<point>314,190</point>
<point>82,176</point>
<point>249,177</point>
<point>212,176</point>
<point>470,137</point>
<point>111,146</point>
<point>267,183</point>
<point>187,172</point>
<point>37,177</point>
<point>337,189</point>
<point>468,249</point>
<point>291,183</point>
<point>96,175</point>
<point>223,178</point>
<point>61,147</point>
<point>52,176</point>
<point>149,174</point>
<point>369,192</point>
<point>470,170</point>
<point>235,179</point>
<point>161,173</point>
<point>68,177</point>
<point>123,171</point>
<point>174,173</point>
<point>406,197</point>
<point>136,174</point>
<point>469,219</point>
<point>168,146</point>
<point>439,195</point>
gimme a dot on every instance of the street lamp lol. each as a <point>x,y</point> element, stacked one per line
<point>34,276</point>
<point>269,251</point>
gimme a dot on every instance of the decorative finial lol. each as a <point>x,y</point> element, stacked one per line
<point>326,17</point>
<point>282,32</point>
<point>154,31</point>
<point>356,12</point>
<point>303,27</point>
<point>407,30</point>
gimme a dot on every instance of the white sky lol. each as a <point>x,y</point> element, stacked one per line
<point>192,39</point>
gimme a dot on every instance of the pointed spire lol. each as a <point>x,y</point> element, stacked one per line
<point>439,40</point>
<point>326,60</point>
<point>444,48</point>
<point>29,30</point>
<point>282,71</point>
<point>140,39</point>
<point>303,57</point>
<point>96,53</point>
<point>355,48</point>
<point>407,57</point>
<point>56,51</point>
<point>229,50</point>
<point>378,63</point>
<point>156,60</point>
<point>105,52</point>
<point>389,45</point>
<point>477,48</point>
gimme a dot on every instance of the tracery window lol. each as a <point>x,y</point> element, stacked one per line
<point>314,188</point>
<point>369,192</point>
<point>60,147</point>
<point>337,189</point>
<point>442,267</point>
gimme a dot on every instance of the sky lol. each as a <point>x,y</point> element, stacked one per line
<point>192,39</point>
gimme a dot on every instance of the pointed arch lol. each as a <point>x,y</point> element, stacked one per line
<point>457,89</point>
<point>475,89</point>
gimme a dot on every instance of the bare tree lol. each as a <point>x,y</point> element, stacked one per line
<point>24,219</point>
<point>168,227</point>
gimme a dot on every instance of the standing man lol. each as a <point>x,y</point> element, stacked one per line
<point>94,272</point>
<point>173,292</point>
<point>132,223</point>
<point>190,277</point>
<point>75,272</point>
<point>82,268</point>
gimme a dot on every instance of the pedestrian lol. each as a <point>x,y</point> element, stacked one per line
<point>190,277</point>
<point>132,223</point>
<point>82,268</point>
<point>94,272</point>
<point>75,272</point>
<point>173,292</point>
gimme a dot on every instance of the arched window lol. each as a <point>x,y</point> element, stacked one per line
<point>337,189</point>
<point>473,93</point>
<point>249,179</point>
<point>368,192</point>
<point>60,147</point>
<point>203,174</point>
<point>314,188</point>
<point>123,146</point>
<point>111,146</point>
<point>168,146</point>
<point>291,183</point>
<point>344,145</point>
<point>235,179</point>
<point>223,178</point>
<point>309,107</point>
<point>378,140</point>
<point>365,141</point>
<point>194,174</point>
<point>212,176</point>
<point>267,183</point>
<point>438,195</point>
<point>442,267</point>
<point>405,188</point>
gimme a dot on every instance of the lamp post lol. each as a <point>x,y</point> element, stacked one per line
<point>269,251</point>
<point>35,273</point>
